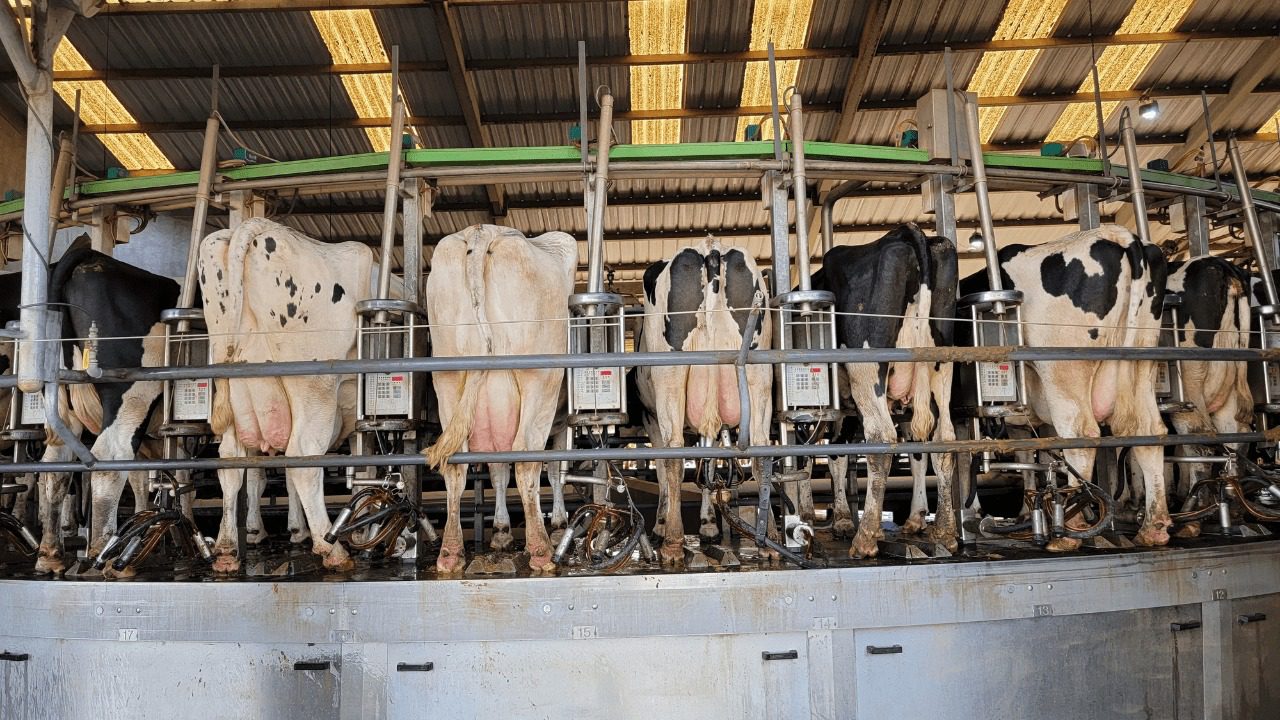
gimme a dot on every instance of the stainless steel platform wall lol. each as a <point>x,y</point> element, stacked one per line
<point>1076,637</point>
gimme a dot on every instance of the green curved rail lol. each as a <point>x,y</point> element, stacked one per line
<point>457,157</point>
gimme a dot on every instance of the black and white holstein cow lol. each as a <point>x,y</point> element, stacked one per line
<point>701,299</point>
<point>1094,288</point>
<point>272,294</point>
<point>1214,313</point>
<point>125,302</point>
<point>886,295</point>
<point>492,291</point>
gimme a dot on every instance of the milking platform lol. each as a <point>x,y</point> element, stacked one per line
<point>1191,630</point>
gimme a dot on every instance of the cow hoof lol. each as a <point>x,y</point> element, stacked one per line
<point>1189,530</point>
<point>114,574</point>
<point>671,555</point>
<point>226,563</point>
<point>297,536</point>
<point>843,528</point>
<point>769,556</point>
<point>864,547</point>
<point>502,540</point>
<point>944,536</point>
<point>914,525</point>
<point>1063,544</point>
<point>50,561</point>
<point>1151,536</point>
<point>451,560</point>
<point>709,531</point>
<point>540,558</point>
<point>339,563</point>
<point>255,538</point>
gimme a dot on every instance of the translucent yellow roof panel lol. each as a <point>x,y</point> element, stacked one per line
<point>656,27</point>
<point>785,23</point>
<point>352,38</point>
<point>1003,73</point>
<point>1120,66</point>
<point>100,106</point>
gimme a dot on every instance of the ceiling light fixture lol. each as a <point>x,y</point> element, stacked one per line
<point>1149,109</point>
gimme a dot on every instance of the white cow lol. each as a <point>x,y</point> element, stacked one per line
<point>700,300</point>
<point>1095,288</point>
<point>271,294</point>
<point>492,291</point>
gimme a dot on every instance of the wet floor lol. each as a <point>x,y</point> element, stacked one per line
<point>277,560</point>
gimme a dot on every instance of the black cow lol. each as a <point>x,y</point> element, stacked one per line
<point>887,294</point>
<point>1214,313</point>
<point>125,302</point>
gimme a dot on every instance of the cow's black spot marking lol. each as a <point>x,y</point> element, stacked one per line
<point>685,274</point>
<point>712,262</point>
<point>650,280</point>
<point>739,289</point>
<point>270,244</point>
<point>1096,294</point>
<point>338,292</point>
<point>1093,333</point>
<point>283,320</point>
<point>317,287</point>
<point>1204,291</point>
<point>277,281</point>
<point>305,318</point>
<point>293,287</point>
<point>219,273</point>
<point>292,309</point>
<point>222,308</point>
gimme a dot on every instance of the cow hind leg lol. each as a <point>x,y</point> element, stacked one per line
<point>226,549</point>
<point>452,553</point>
<point>868,396</point>
<point>298,530</point>
<point>919,499</point>
<point>536,541</point>
<point>708,528</point>
<point>255,532</point>
<point>842,525</point>
<point>53,490</point>
<point>500,479</point>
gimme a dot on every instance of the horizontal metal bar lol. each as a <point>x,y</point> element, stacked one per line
<point>1251,618</point>
<point>1188,625</point>
<point>999,353</point>
<point>415,667</point>
<point>647,453</point>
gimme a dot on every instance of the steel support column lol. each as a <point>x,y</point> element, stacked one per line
<point>1085,197</point>
<point>1197,222</point>
<point>940,198</point>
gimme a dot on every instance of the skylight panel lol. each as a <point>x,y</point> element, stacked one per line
<point>785,23</point>
<point>1002,73</point>
<point>657,27</point>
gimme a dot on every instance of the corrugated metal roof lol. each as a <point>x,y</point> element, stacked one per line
<point>551,30</point>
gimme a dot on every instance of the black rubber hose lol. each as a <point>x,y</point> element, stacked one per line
<point>1108,512</point>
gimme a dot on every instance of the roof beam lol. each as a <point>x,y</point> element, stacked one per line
<point>464,86</point>
<point>1256,69</point>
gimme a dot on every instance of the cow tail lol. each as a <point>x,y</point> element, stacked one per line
<point>86,405</point>
<point>221,418</point>
<point>1244,394</point>
<point>242,239</point>
<point>459,428</point>
<point>922,418</point>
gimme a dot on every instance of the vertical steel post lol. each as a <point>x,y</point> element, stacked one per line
<point>799,187</point>
<point>779,229</point>
<point>1252,230</point>
<point>595,237</point>
<point>584,136</point>
<point>1208,130</point>
<point>1137,197</point>
<point>35,314</point>
<point>208,167</point>
<point>395,160</point>
<point>412,218</point>
<point>1193,211</point>
<point>979,168</point>
<point>58,190</point>
<point>1086,199</point>
<point>942,189</point>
